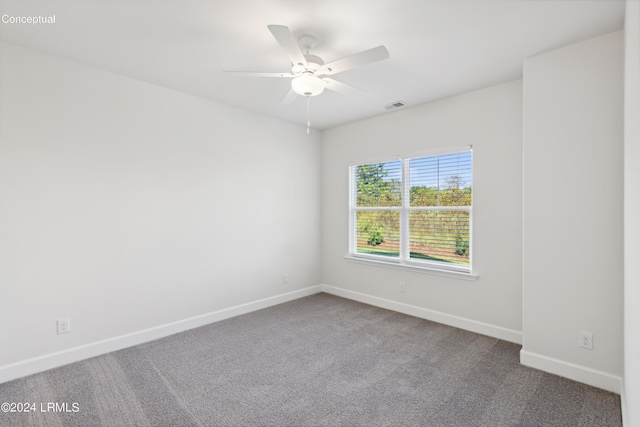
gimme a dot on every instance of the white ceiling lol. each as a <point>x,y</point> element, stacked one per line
<point>437,48</point>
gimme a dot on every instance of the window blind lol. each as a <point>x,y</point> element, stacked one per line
<point>440,189</point>
<point>414,210</point>
<point>377,200</point>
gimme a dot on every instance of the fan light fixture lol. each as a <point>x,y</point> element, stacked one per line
<point>307,84</point>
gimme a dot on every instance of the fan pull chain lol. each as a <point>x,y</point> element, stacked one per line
<point>308,116</point>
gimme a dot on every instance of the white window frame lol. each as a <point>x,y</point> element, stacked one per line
<point>403,261</point>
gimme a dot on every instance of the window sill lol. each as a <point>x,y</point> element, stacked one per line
<point>417,269</point>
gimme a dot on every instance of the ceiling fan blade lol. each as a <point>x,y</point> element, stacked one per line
<point>340,87</point>
<point>289,97</point>
<point>252,74</point>
<point>288,43</point>
<point>368,56</point>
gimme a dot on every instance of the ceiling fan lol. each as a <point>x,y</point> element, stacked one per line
<point>309,73</point>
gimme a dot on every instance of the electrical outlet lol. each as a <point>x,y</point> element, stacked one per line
<point>285,278</point>
<point>586,340</point>
<point>403,287</point>
<point>64,326</point>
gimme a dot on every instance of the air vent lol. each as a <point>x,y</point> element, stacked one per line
<point>394,105</point>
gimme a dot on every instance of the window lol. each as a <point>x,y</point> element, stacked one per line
<point>414,211</point>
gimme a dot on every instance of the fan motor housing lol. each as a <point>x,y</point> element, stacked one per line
<point>314,63</point>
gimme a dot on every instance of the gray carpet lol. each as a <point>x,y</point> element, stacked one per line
<point>320,360</point>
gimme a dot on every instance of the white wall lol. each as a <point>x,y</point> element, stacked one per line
<point>632,213</point>
<point>489,119</point>
<point>126,206</point>
<point>573,203</point>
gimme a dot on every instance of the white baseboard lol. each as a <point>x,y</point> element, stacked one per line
<point>572,371</point>
<point>64,357</point>
<point>424,313</point>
